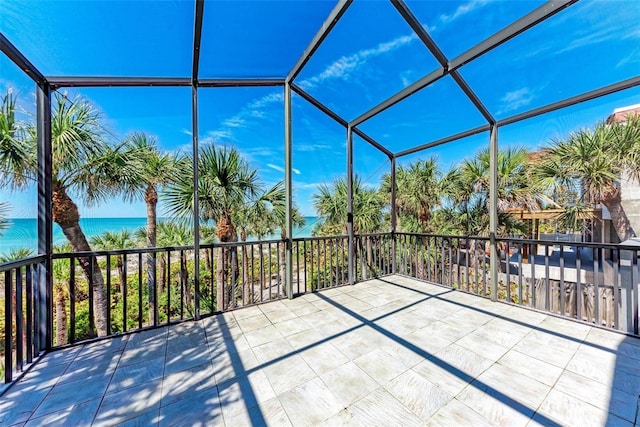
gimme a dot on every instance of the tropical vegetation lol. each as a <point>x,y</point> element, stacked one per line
<point>234,205</point>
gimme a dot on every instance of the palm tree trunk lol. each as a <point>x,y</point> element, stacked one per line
<point>184,278</point>
<point>65,214</point>
<point>151,199</point>
<point>61,315</point>
<point>226,233</point>
<point>220,280</point>
<point>207,259</point>
<point>121,275</point>
<point>163,273</point>
<point>619,218</point>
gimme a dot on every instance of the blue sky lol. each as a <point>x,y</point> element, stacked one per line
<point>371,54</point>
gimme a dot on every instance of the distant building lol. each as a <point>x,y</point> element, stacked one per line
<point>621,114</point>
<point>629,188</point>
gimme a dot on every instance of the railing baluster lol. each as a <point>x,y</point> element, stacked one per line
<point>484,268</point>
<point>311,267</point>
<point>151,295</point>
<point>72,300</point>
<point>616,289</point>
<point>634,281</point>
<point>320,273</point>
<point>563,290</point>
<point>108,273</point>
<point>579,283</point>
<point>270,272</point>
<point>125,300</point>
<point>443,261</point>
<point>234,276</point>
<point>547,284</point>
<point>252,278</point>
<point>38,306</point>
<point>214,280</point>
<point>168,279</point>
<point>156,315</point>
<point>467,256</point>
<point>182,284</point>
<point>29,311</point>
<point>458,284</point>
<point>507,259</point>
<point>244,276</point>
<point>8,324</point>
<point>92,326</point>
<point>532,264</point>
<point>429,258</point>
<point>19,322</point>
<point>330,257</point>
<point>415,257</point>
<point>262,278</point>
<point>296,245</point>
<point>345,264</point>
<point>596,286</point>
<point>327,274</point>
<point>520,292</point>
<point>476,261</point>
<point>450,264</point>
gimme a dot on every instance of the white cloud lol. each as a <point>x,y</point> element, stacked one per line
<point>462,10</point>
<point>281,169</point>
<point>310,147</point>
<point>632,58</point>
<point>343,67</point>
<point>407,77</point>
<point>186,131</point>
<point>255,109</point>
<point>310,185</point>
<point>219,134</point>
<point>276,167</point>
<point>516,99</point>
<point>274,97</point>
<point>234,122</point>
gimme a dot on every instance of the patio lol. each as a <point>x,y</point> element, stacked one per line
<point>391,351</point>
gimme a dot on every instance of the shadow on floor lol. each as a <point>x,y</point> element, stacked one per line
<point>625,387</point>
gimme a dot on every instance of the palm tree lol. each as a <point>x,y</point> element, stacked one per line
<point>16,254</point>
<point>83,164</point>
<point>176,234</point>
<point>263,216</point>
<point>111,240</point>
<point>225,183</point>
<point>169,234</point>
<point>153,170</point>
<point>208,235</point>
<point>17,152</point>
<point>331,205</point>
<point>593,161</point>
<point>418,189</point>
<point>466,190</point>
<point>4,212</point>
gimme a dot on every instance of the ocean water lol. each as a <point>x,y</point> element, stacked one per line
<point>23,232</point>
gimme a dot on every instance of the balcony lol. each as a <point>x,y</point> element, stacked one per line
<point>387,328</point>
<point>388,351</point>
<point>418,346</point>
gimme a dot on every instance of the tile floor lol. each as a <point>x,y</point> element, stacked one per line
<point>387,352</point>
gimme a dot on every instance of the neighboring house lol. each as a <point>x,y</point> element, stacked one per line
<point>600,230</point>
<point>629,187</point>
